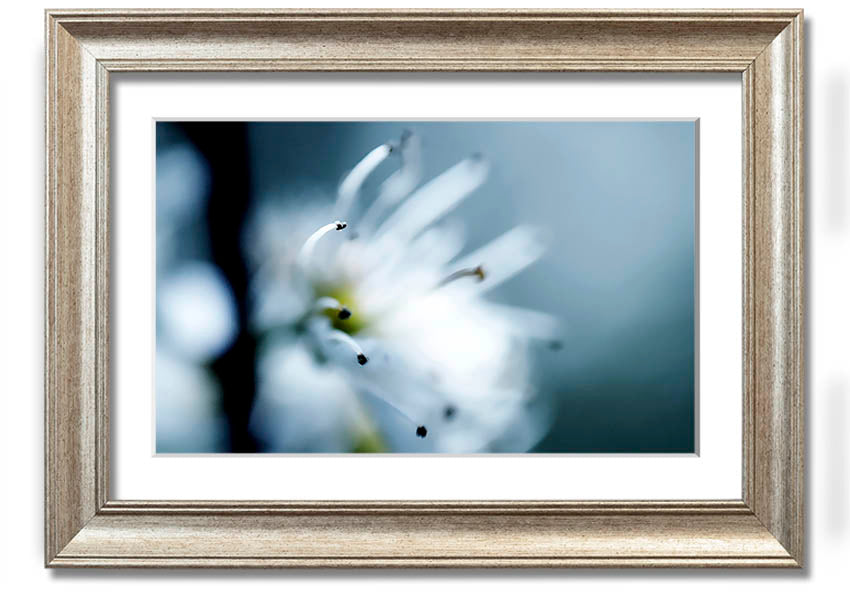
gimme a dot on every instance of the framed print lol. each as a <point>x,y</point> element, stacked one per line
<point>464,287</point>
<point>455,345</point>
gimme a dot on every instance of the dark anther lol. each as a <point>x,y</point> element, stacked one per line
<point>421,431</point>
<point>449,412</point>
<point>361,358</point>
<point>344,313</point>
<point>341,225</point>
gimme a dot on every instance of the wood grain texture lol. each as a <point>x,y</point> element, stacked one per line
<point>492,538</point>
<point>425,40</point>
<point>775,490</point>
<point>83,527</point>
<point>74,402</point>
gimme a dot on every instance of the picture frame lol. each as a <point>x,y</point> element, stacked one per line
<point>84,527</point>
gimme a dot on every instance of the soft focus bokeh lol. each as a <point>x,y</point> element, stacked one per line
<point>580,338</point>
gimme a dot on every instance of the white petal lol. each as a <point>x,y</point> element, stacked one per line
<point>433,200</point>
<point>350,186</point>
<point>412,272</point>
<point>523,322</point>
<point>402,182</point>
<point>397,186</point>
<point>301,406</point>
<point>277,301</point>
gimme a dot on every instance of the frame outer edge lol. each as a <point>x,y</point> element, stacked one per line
<point>77,302</point>
<point>71,262</point>
<point>425,39</point>
<point>777,481</point>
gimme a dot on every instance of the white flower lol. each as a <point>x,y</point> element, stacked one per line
<point>377,332</point>
<point>196,312</point>
<point>187,393</point>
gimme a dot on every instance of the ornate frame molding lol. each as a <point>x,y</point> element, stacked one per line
<point>83,527</point>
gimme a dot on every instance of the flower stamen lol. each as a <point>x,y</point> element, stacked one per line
<point>343,338</point>
<point>477,272</point>
<point>398,185</point>
<point>327,303</point>
<point>305,254</point>
<point>380,394</point>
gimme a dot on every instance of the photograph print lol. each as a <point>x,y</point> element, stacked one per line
<point>452,287</point>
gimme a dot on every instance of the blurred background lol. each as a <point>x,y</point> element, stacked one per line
<point>614,205</point>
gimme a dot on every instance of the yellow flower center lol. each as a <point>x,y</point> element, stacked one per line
<point>345,296</point>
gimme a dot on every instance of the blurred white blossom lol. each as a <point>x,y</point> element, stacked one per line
<point>376,332</point>
<point>197,312</point>
<point>187,393</point>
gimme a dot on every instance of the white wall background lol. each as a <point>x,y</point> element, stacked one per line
<point>828,380</point>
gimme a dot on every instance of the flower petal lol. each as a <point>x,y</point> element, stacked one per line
<point>349,189</point>
<point>433,200</point>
